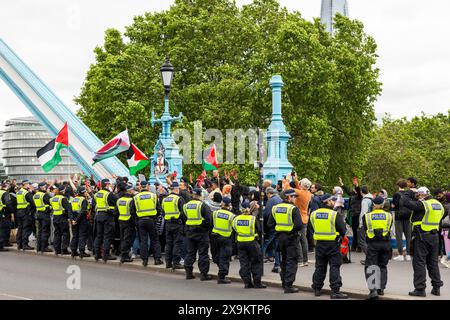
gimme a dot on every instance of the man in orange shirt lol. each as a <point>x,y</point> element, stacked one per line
<point>304,196</point>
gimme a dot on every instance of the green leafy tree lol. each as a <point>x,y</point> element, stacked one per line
<point>224,57</point>
<point>418,148</point>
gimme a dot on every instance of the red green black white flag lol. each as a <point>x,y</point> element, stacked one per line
<point>116,145</point>
<point>49,155</point>
<point>136,159</point>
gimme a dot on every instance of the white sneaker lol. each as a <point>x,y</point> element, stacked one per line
<point>444,260</point>
<point>301,264</point>
<point>133,256</point>
<point>408,257</point>
<point>399,258</point>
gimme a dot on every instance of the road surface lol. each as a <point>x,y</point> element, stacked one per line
<point>35,277</point>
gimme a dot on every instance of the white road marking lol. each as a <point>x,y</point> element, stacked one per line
<point>15,297</point>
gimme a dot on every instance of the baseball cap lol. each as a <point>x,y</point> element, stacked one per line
<point>226,200</point>
<point>290,192</point>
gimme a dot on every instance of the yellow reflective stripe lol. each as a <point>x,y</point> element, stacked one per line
<point>2,205</point>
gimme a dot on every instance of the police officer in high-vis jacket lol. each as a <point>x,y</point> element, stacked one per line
<point>250,256</point>
<point>104,203</point>
<point>25,211</point>
<point>43,216</point>
<point>425,220</point>
<point>6,209</point>
<point>148,209</point>
<point>62,210</point>
<point>198,226</point>
<point>377,224</point>
<point>286,220</point>
<point>126,210</point>
<point>329,228</point>
<point>221,239</point>
<point>172,206</point>
<point>79,223</point>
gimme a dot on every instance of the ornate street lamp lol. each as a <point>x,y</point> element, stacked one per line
<point>167,72</point>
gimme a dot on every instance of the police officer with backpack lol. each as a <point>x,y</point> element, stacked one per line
<point>172,206</point>
<point>378,224</point>
<point>221,239</point>
<point>329,228</point>
<point>425,220</point>
<point>43,211</point>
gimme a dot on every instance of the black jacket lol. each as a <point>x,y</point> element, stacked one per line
<point>296,219</point>
<point>355,199</point>
<point>418,209</point>
<point>207,223</point>
<point>398,204</point>
<point>8,202</point>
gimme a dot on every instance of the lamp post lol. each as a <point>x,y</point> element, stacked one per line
<point>171,150</point>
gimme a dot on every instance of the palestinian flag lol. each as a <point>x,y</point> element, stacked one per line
<point>136,159</point>
<point>49,156</point>
<point>211,161</point>
<point>116,145</point>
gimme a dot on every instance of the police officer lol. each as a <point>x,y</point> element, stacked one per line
<point>43,210</point>
<point>25,211</point>
<point>221,239</point>
<point>198,226</point>
<point>62,210</point>
<point>287,222</point>
<point>6,208</point>
<point>148,208</point>
<point>378,225</point>
<point>104,204</point>
<point>79,223</point>
<point>328,227</point>
<point>126,210</point>
<point>249,251</point>
<point>172,206</point>
<point>425,219</point>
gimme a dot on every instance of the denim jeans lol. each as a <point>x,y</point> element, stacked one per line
<point>271,239</point>
<point>303,246</point>
<point>137,244</point>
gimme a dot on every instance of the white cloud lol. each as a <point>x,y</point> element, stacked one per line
<point>56,38</point>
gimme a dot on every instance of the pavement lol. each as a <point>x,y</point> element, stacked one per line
<point>400,275</point>
<point>28,276</point>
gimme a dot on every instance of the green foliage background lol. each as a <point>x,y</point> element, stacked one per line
<point>224,56</point>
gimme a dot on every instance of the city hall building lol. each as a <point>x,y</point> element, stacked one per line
<point>22,137</point>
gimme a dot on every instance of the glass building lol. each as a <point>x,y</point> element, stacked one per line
<point>329,9</point>
<point>21,140</point>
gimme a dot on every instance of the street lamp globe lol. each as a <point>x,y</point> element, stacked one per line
<point>167,71</point>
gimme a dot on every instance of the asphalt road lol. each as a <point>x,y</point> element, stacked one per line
<point>32,277</point>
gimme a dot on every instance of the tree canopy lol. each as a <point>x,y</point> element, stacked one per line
<point>419,148</point>
<point>224,56</point>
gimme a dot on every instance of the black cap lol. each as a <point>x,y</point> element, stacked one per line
<point>198,191</point>
<point>246,204</point>
<point>81,190</point>
<point>42,184</point>
<point>25,181</point>
<point>106,181</point>
<point>61,187</point>
<point>226,200</point>
<point>144,183</point>
<point>130,186</point>
<point>175,184</point>
<point>217,197</point>
<point>378,200</point>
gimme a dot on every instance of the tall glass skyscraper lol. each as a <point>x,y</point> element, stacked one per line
<point>21,139</point>
<point>329,10</point>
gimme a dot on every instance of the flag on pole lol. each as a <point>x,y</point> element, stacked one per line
<point>48,155</point>
<point>211,160</point>
<point>136,159</point>
<point>116,145</point>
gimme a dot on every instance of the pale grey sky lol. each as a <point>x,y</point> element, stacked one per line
<point>56,39</point>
